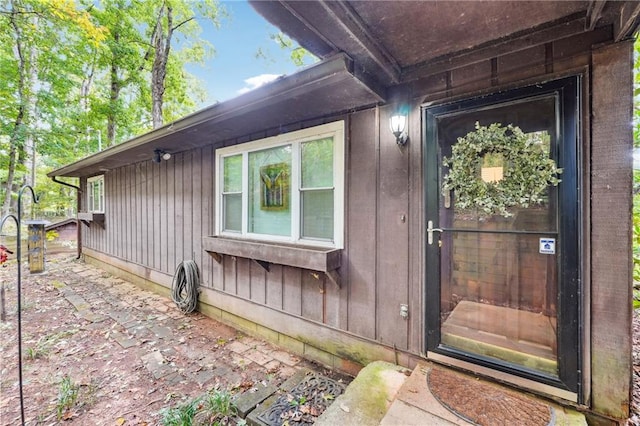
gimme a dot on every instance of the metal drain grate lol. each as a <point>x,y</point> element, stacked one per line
<point>304,403</point>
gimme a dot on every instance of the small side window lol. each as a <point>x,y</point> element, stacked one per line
<point>95,194</point>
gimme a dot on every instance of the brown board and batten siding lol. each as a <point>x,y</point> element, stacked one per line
<point>360,272</point>
<point>392,237</point>
<point>157,214</point>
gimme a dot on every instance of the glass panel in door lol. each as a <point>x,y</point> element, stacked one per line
<point>498,288</point>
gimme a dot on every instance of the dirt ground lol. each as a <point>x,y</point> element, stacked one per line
<point>99,351</point>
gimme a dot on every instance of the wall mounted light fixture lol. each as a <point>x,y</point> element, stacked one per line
<point>159,155</point>
<point>398,126</point>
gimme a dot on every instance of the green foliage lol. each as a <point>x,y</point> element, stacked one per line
<point>60,98</point>
<point>298,55</point>
<point>528,172</point>
<point>43,345</point>
<point>67,396</point>
<point>181,415</point>
<point>40,350</point>
<point>41,53</point>
<point>297,401</point>
<point>218,407</point>
<point>636,94</point>
<point>214,408</point>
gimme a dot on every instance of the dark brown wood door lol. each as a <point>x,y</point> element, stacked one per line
<point>502,265</point>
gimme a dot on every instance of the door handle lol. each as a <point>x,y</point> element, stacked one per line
<point>431,230</point>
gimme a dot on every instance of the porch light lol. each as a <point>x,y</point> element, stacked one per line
<point>398,126</point>
<point>159,155</point>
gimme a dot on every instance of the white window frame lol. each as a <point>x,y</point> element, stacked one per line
<point>334,130</point>
<point>91,202</point>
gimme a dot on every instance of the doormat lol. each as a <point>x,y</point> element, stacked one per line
<point>482,403</point>
<point>304,403</point>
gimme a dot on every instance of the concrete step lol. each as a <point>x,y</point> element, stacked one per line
<point>367,398</point>
<point>416,405</point>
<point>388,395</point>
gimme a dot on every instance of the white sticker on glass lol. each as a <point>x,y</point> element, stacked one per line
<point>548,245</point>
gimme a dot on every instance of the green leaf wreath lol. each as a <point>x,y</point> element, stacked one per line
<point>528,172</point>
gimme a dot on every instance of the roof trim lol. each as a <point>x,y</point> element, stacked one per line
<point>357,30</point>
<point>628,22</point>
<point>347,30</point>
<point>594,13</point>
<point>284,93</point>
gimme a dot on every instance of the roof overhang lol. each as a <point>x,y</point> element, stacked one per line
<point>367,47</point>
<point>392,39</point>
<point>327,88</point>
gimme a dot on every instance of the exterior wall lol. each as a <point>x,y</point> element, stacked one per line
<point>156,215</point>
<point>611,185</point>
<point>66,232</point>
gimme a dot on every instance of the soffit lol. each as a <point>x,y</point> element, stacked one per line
<point>386,38</point>
<point>329,87</point>
<point>446,27</point>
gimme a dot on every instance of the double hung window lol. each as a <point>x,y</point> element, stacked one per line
<point>95,194</point>
<point>286,188</point>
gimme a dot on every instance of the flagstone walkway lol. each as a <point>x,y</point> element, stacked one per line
<point>132,352</point>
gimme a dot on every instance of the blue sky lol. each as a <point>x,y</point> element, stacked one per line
<point>235,68</point>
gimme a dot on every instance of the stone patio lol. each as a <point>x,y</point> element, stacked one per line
<point>130,341</point>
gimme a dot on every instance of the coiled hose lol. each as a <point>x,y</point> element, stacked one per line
<point>184,289</point>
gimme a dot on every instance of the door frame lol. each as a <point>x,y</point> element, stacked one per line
<point>569,316</point>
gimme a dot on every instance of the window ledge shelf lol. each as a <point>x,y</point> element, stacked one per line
<point>326,260</point>
<point>89,217</point>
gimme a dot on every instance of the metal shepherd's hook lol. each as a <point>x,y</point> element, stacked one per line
<point>17,220</point>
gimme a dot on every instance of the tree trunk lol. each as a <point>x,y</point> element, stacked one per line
<point>13,157</point>
<point>16,140</point>
<point>85,88</point>
<point>162,46</point>
<point>32,153</point>
<point>114,96</point>
<point>30,112</point>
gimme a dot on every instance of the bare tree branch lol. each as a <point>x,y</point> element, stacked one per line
<point>182,23</point>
